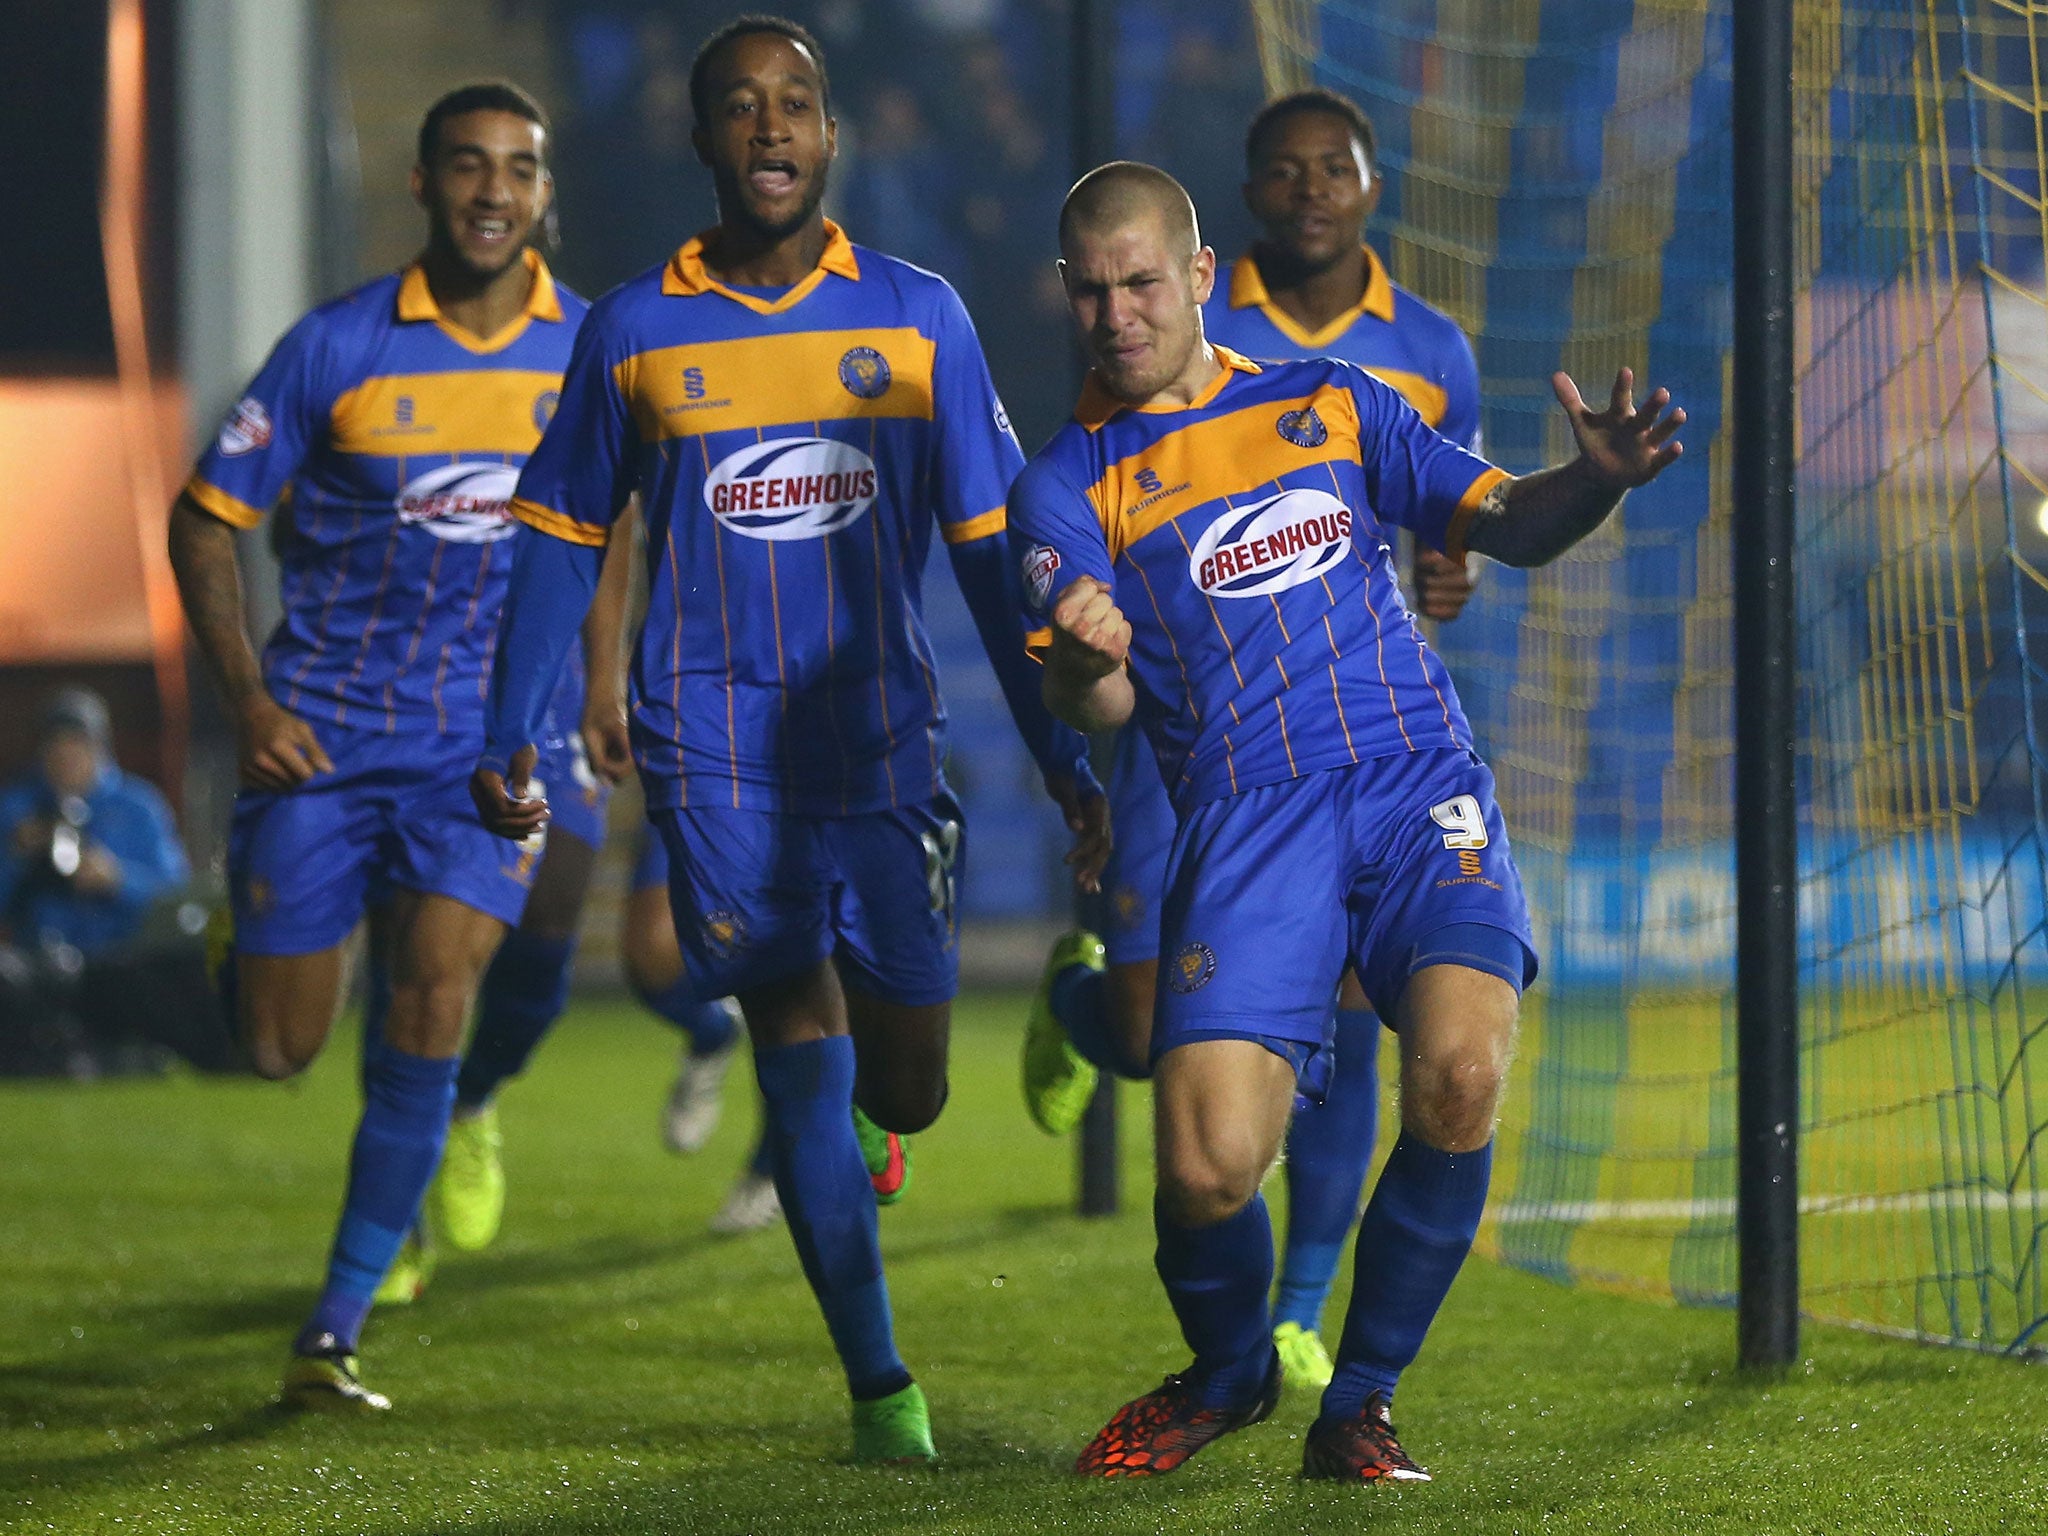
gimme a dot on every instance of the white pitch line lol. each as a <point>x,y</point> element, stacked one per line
<point>1585,1211</point>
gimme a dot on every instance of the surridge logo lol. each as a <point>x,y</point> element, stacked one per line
<point>791,488</point>
<point>462,503</point>
<point>1272,545</point>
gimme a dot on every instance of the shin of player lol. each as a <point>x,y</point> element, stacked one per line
<point>833,410</point>
<point>355,731</point>
<point>1328,812</point>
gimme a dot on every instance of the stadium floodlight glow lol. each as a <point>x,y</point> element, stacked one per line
<point>2041,515</point>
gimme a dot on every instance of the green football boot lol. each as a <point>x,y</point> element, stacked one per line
<point>409,1273</point>
<point>888,1158</point>
<point>1058,1080</point>
<point>326,1382</point>
<point>1304,1362</point>
<point>896,1428</point>
<point>467,1197</point>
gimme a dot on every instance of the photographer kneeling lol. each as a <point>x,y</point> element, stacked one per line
<point>86,853</point>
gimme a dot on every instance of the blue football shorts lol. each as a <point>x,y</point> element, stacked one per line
<point>760,896</point>
<point>395,814</point>
<point>577,798</point>
<point>1134,880</point>
<point>651,866</point>
<point>1390,865</point>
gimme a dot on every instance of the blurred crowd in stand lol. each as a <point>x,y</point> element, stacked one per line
<point>954,119</point>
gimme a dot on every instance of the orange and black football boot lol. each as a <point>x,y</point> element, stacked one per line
<point>1155,1433</point>
<point>1360,1449</point>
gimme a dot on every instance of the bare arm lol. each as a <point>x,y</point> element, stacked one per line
<point>1533,519</point>
<point>1086,683</point>
<point>605,731</point>
<point>275,750</point>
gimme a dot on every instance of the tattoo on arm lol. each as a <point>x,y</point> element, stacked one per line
<point>210,585</point>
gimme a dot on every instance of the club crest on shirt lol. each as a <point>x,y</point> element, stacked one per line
<point>1191,968</point>
<point>1041,563</point>
<point>725,933</point>
<point>1303,428</point>
<point>864,372</point>
<point>246,429</point>
<point>462,503</point>
<point>544,405</point>
<point>1272,545</point>
<point>791,488</point>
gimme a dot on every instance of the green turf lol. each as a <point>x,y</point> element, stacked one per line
<point>610,1367</point>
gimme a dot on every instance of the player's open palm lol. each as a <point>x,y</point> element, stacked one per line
<point>1088,629</point>
<point>274,749</point>
<point>1625,444</point>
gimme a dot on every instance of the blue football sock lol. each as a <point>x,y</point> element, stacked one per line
<point>1080,1003</point>
<point>1416,1232</point>
<point>830,1204</point>
<point>398,1145</point>
<point>1217,1278</point>
<point>523,993</point>
<point>1329,1147</point>
<point>709,1025</point>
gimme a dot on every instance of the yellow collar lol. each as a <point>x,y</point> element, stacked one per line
<point>416,302</point>
<point>686,275</point>
<point>1097,405</point>
<point>1248,288</point>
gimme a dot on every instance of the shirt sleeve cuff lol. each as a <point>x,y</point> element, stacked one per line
<point>549,521</point>
<point>231,510</point>
<point>970,529</point>
<point>1468,508</point>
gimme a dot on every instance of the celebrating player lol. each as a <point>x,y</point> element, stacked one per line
<point>794,412</point>
<point>1207,538</point>
<point>396,417</point>
<point>1310,287</point>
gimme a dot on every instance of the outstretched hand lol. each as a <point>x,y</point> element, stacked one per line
<point>502,800</point>
<point>1623,445</point>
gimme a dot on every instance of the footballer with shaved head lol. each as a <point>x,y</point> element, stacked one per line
<point>1207,540</point>
<point>797,414</point>
<point>1309,287</point>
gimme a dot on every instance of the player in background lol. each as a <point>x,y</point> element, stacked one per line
<point>795,413</point>
<point>1331,809</point>
<point>395,419</point>
<point>584,751</point>
<point>1310,287</point>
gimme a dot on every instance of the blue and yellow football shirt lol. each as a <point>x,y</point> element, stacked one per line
<point>1245,538</point>
<point>792,450</point>
<point>398,437</point>
<point>1390,333</point>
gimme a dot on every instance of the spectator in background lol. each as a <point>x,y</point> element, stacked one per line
<point>88,848</point>
<point>87,852</point>
<point>902,183</point>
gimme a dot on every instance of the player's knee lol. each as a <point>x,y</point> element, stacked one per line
<point>1451,1096</point>
<point>905,1107</point>
<point>275,1050</point>
<point>1201,1191</point>
<point>279,1036</point>
<point>428,1013</point>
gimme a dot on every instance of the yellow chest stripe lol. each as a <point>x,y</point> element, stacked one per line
<point>778,381</point>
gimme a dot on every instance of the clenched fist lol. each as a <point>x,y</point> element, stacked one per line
<point>1090,635</point>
